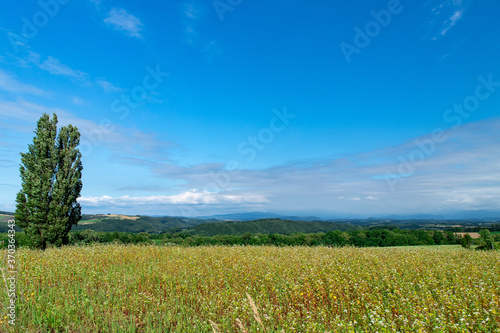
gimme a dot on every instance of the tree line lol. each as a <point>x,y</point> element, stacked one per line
<point>373,237</point>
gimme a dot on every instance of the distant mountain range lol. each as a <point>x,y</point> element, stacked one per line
<point>470,214</point>
<point>487,215</point>
<point>484,215</point>
<point>259,215</point>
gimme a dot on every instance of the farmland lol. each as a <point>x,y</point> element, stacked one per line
<point>117,288</point>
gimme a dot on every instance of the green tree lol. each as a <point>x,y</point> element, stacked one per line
<point>487,242</point>
<point>439,237</point>
<point>51,173</point>
<point>466,241</point>
<point>450,237</point>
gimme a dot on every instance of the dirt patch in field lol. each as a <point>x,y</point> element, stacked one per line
<point>124,217</point>
<point>474,235</point>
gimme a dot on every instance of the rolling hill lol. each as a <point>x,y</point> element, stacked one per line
<point>264,226</point>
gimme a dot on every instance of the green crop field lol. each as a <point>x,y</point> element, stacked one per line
<point>117,288</point>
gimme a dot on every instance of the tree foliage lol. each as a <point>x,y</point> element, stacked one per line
<point>51,174</point>
<point>466,241</point>
<point>487,241</point>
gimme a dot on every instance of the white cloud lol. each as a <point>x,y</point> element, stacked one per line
<point>77,101</point>
<point>107,86</point>
<point>55,67</point>
<point>117,139</point>
<point>354,183</point>
<point>346,185</point>
<point>445,16</point>
<point>457,15</point>
<point>193,18</point>
<point>467,199</point>
<point>8,83</point>
<point>119,19</point>
<point>23,111</point>
<point>191,197</point>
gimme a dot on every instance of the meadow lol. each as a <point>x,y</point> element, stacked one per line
<point>143,288</point>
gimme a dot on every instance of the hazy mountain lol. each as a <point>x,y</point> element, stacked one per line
<point>463,215</point>
<point>472,214</point>
<point>477,214</point>
<point>413,217</point>
<point>259,215</point>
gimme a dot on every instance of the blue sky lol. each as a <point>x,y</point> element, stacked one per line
<point>364,108</point>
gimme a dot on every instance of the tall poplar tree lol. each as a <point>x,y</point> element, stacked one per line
<point>51,173</point>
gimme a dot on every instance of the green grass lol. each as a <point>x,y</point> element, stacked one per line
<point>295,289</point>
<point>442,247</point>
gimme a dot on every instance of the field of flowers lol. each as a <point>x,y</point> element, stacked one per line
<point>119,288</point>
